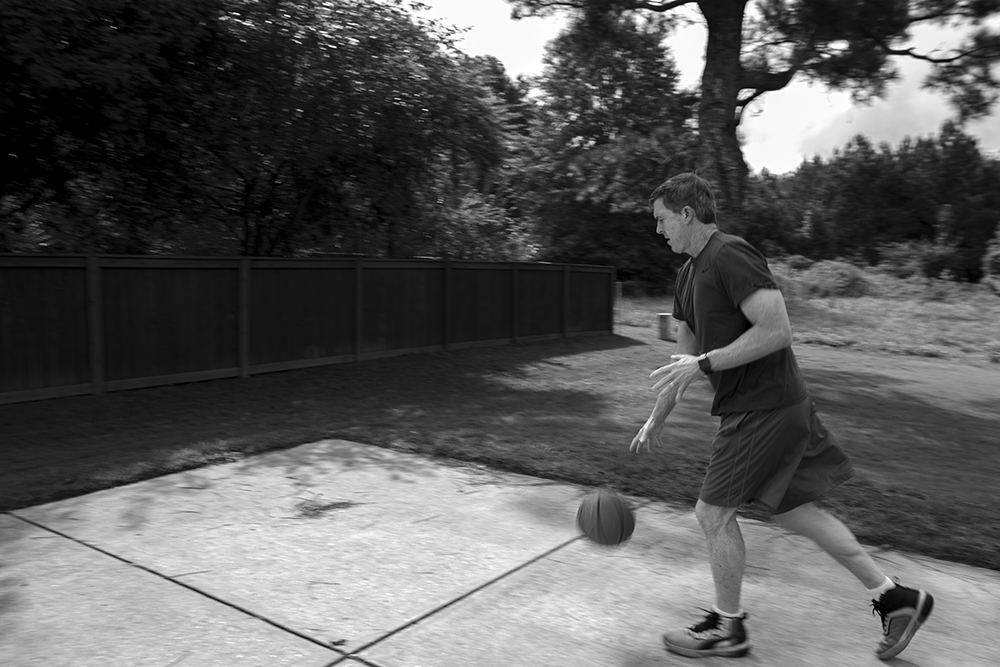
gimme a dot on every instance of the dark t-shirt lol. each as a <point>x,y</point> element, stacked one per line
<point>707,297</point>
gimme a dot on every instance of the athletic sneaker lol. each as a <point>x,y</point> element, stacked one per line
<point>903,610</point>
<point>715,635</point>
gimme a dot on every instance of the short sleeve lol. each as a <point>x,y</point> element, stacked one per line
<point>677,311</point>
<point>743,270</point>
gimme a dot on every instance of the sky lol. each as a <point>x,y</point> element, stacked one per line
<point>782,129</point>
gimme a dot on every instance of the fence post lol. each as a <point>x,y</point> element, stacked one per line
<point>244,316</point>
<point>514,301</point>
<point>358,308</point>
<point>565,300</point>
<point>445,305</point>
<point>615,307</point>
<point>95,323</point>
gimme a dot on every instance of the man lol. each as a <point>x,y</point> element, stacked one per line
<point>771,446</point>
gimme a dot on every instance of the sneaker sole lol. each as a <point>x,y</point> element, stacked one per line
<point>737,651</point>
<point>925,604</point>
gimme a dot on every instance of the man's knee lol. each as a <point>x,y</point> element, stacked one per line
<point>713,517</point>
<point>795,519</point>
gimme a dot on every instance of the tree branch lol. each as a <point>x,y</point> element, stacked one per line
<point>664,6</point>
<point>765,81</point>
<point>741,105</point>
<point>936,16</point>
<point>971,53</point>
<point>751,97</point>
<point>989,45</point>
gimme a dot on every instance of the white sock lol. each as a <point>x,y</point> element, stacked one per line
<point>876,593</point>
<point>723,614</point>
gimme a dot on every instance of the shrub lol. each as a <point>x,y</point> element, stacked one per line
<point>833,278</point>
<point>789,282</point>
<point>991,259</point>
<point>798,262</point>
<point>915,258</point>
<point>770,249</point>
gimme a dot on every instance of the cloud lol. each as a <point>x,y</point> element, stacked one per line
<point>906,110</point>
<point>802,121</point>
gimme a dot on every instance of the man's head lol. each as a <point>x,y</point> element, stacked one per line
<point>687,189</point>
<point>684,207</point>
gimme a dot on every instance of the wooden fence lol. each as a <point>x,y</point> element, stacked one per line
<point>73,325</point>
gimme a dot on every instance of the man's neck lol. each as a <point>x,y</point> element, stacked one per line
<point>700,236</point>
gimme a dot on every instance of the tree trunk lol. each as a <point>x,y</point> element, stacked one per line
<point>721,155</point>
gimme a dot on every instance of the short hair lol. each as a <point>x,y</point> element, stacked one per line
<point>688,189</point>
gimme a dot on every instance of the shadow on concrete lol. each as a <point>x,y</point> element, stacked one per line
<point>13,533</point>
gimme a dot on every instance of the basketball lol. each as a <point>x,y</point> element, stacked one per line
<point>605,518</point>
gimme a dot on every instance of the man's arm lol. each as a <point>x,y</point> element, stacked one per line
<point>686,342</point>
<point>769,331</point>
<point>666,401</point>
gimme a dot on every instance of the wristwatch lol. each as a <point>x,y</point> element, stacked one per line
<point>705,365</point>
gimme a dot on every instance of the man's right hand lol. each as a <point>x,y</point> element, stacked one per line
<point>647,436</point>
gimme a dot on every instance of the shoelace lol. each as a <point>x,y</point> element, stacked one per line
<point>881,610</point>
<point>711,622</point>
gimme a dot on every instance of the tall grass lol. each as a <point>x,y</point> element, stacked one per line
<point>840,305</point>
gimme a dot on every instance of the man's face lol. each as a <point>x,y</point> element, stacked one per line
<point>671,226</point>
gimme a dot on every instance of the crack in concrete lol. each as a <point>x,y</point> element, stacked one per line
<point>193,589</point>
<point>353,656</point>
<point>463,596</point>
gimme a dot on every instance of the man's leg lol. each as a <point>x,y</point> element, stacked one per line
<point>831,535</point>
<point>902,610</point>
<point>722,631</point>
<point>726,553</point>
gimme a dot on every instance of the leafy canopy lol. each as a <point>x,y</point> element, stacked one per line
<point>846,44</point>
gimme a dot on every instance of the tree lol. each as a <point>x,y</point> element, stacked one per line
<point>610,124</point>
<point>92,100</point>
<point>845,44</point>
<point>927,206</point>
<point>481,215</point>
<point>236,126</point>
<point>991,261</point>
<point>337,126</point>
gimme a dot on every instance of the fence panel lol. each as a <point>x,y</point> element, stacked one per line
<point>301,314</point>
<point>74,324</point>
<point>402,306</point>
<point>480,303</point>
<point>589,296</point>
<point>43,327</point>
<point>540,295</point>
<point>169,321</point>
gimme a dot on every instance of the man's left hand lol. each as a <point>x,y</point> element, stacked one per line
<point>676,376</point>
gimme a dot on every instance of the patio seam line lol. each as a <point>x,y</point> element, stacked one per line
<point>643,503</point>
<point>442,607</point>
<point>352,659</point>
<point>191,588</point>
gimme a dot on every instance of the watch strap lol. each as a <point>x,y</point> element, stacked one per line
<point>705,365</point>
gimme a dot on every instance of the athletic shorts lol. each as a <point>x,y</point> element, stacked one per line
<point>780,458</point>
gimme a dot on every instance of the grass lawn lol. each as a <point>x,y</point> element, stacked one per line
<point>909,386</point>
